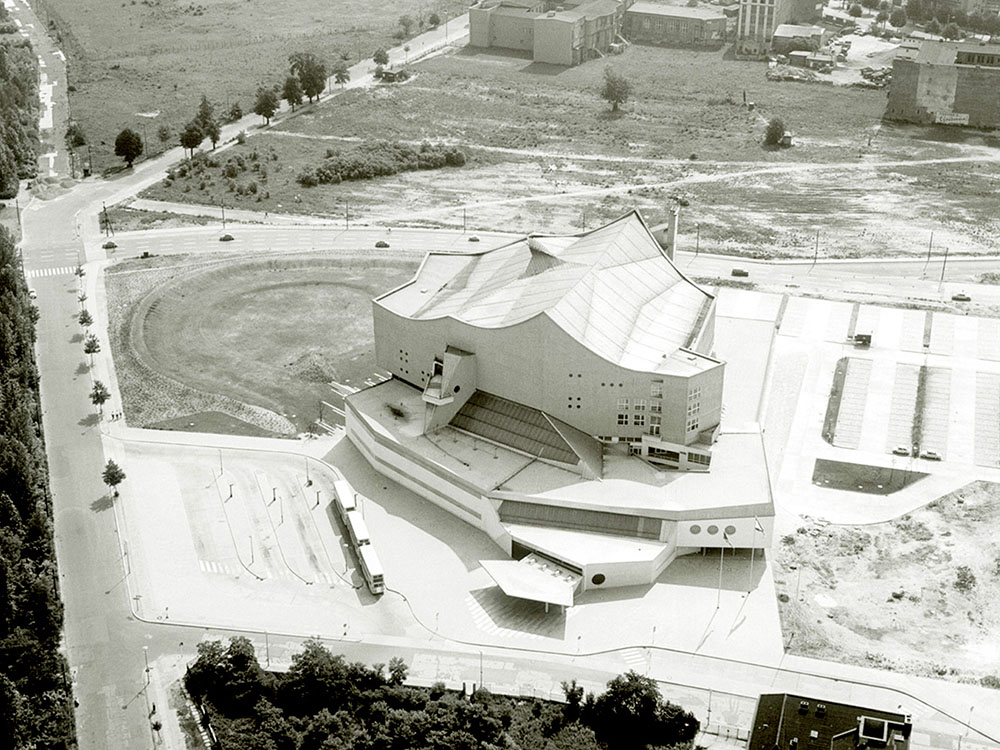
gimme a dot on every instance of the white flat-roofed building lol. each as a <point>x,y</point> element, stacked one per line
<point>560,394</point>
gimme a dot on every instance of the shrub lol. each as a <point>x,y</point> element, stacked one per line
<point>965,579</point>
<point>241,137</point>
<point>307,178</point>
<point>775,130</point>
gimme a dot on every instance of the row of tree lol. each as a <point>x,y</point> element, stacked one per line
<point>36,708</point>
<point>307,78</point>
<point>326,702</point>
<point>18,111</point>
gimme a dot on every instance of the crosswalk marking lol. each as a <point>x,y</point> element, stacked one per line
<point>59,271</point>
<point>635,657</point>
<point>519,617</point>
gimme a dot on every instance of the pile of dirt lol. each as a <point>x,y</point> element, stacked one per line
<point>312,367</point>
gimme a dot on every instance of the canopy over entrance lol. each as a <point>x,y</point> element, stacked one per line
<point>535,579</point>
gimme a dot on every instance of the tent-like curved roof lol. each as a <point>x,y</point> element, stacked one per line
<point>612,289</point>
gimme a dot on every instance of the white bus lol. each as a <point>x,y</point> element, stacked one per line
<point>344,495</point>
<point>358,530</point>
<point>371,568</point>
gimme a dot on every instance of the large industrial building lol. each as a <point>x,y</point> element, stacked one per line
<point>758,20</point>
<point>561,33</point>
<point>560,394</point>
<point>948,83</point>
<point>655,23</point>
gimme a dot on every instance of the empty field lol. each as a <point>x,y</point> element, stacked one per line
<point>255,340</point>
<point>160,56</point>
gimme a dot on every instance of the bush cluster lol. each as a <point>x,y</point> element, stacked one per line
<point>379,159</point>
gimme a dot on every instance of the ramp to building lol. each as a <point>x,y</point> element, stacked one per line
<point>534,579</point>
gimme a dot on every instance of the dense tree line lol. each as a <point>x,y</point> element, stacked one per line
<point>18,110</point>
<point>325,702</point>
<point>35,703</point>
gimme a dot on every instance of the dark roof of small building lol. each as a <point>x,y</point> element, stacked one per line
<point>676,11</point>
<point>782,718</point>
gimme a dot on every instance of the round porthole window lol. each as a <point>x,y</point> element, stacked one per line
<point>457,388</point>
<point>696,529</point>
<point>713,529</point>
<point>598,579</point>
<point>730,530</point>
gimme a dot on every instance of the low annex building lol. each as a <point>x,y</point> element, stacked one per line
<point>559,393</point>
<point>947,83</point>
<point>654,23</point>
<point>561,33</point>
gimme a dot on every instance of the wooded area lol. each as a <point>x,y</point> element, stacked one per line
<point>324,702</point>
<point>35,698</point>
<point>18,107</point>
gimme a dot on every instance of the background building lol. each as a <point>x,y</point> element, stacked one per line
<point>758,20</point>
<point>653,23</point>
<point>560,33</point>
<point>949,83</point>
<point>792,721</point>
<point>559,393</point>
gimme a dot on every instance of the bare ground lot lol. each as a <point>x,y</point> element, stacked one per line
<point>914,595</point>
<point>252,340</point>
<point>545,154</point>
<point>162,55</point>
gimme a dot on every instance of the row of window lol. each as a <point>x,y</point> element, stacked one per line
<point>713,529</point>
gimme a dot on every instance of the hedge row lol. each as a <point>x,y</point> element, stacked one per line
<point>379,159</point>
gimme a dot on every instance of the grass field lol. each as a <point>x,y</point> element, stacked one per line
<point>194,341</point>
<point>147,56</point>
<point>877,595</point>
<point>546,154</point>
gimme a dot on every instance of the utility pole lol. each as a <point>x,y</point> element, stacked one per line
<point>347,215</point>
<point>944,265</point>
<point>929,246</point>
<point>223,203</point>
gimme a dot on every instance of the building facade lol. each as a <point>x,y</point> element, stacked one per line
<point>559,33</point>
<point>653,23</point>
<point>947,83</point>
<point>758,20</point>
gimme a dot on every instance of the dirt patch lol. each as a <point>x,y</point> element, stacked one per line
<point>256,340</point>
<point>876,595</point>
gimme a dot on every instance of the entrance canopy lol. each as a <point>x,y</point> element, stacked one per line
<point>534,578</point>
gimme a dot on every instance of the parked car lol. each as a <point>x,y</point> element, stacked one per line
<point>473,238</point>
<point>109,245</point>
<point>740,272</point>
<point>226,238</point>
<point>381,244</point>
<point>930,455</point>
<point>32,293</point>
<point>961,297</point>
<point>901,450</point>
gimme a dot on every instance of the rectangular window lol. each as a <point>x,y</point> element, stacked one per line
<point>639,420</point>
<point>698,458</point>
<point>622,404</point>
<point>656,406</point>
<point>623,419</point>
<point>640,404</point>
<point>656,389</point>
<point>692,424</point>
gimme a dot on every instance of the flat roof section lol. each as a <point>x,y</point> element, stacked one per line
<point>584,548</point>
<point>534,579</point>
<point>677,11</point>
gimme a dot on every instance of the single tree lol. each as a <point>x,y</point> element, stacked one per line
<point>341,73</point>
<point>291,92</point>
<point>99,394</point>
<point>91,346</point>
<point>84,318</point>
<point>397,671</point>
<point>898,18</point>
<point>81,298</point>
<point>951,31</point>
<point>75,137</point>
<point>933,26</point>
<point>164,134</point>
<point>235,112</point>
<point>881,18</point>
<point>207,121</point>
<point>775,131</point>
<point>434,20</point>
<point>632,715</point>
<point>128,145</point>
<point>855,11</point>
<point>310,71</point>
<point>192,136</point>
<point>406,24</point>
<point>381,57</point>
<point>113,475</point>
<point>266,104</point>
<point>616,88</point>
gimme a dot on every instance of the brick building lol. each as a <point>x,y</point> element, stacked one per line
<point>653,23</point>
<point>948,83</point>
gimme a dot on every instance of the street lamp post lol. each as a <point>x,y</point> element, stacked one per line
<point>145,658</point>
